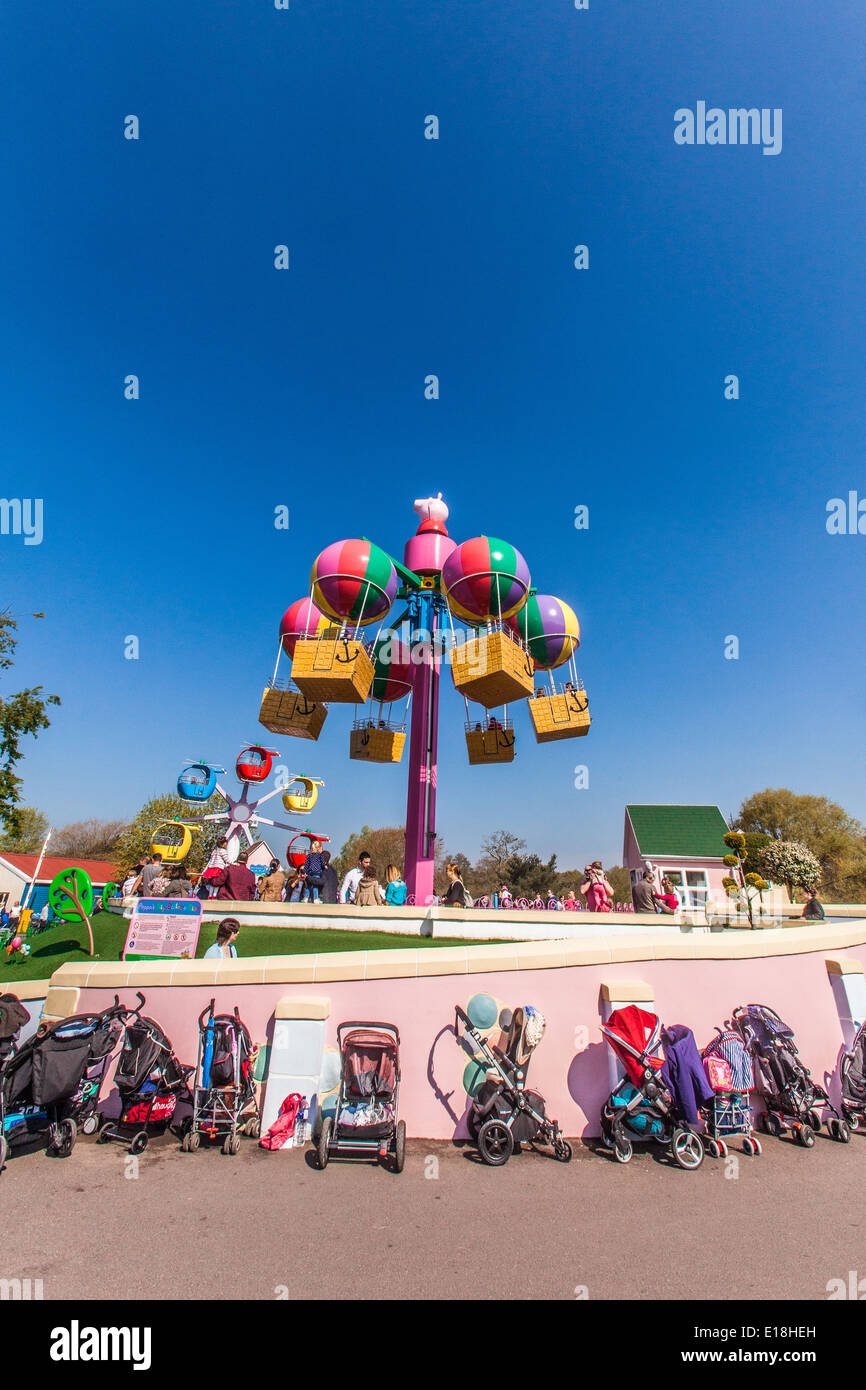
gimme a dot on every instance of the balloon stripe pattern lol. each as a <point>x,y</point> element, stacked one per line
<point>549,628</point>
<point>485,578</point>
<point>354,581</point>
<point>301,619</point>
<point>392,670</point>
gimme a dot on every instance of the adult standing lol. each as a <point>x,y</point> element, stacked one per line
<point>456,894</point>
<point>178,885</point>
<point>236,881</point>
<point>151,870</point>
<point>272,885</point>
<point>643,893</point>
<point>595,888</point>
<point>330,883</point>
<point>350,883</point>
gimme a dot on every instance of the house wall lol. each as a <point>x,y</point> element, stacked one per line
<point>695,979</point>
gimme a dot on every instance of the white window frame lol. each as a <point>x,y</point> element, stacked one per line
<point>690,895</point>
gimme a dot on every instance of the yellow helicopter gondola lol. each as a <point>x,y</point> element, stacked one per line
<point>301,802</point>
<point>173,853</point>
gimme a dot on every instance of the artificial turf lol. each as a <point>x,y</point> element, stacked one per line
<point>63,941</point>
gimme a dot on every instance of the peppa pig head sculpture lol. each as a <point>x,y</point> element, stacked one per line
<point>428,550</point>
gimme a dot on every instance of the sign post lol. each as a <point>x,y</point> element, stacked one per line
<point>162,928</point>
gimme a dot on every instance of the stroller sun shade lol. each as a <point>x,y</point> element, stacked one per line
<point>369,1063</point>
<point>635,1037</point>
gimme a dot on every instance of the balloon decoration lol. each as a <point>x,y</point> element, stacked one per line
<point>485,578</point>
<point>303,618</point>
<point>549,628</point>
<point>354,581</point>
<point>392,679</point>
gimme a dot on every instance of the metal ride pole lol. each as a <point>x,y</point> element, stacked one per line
<point>26,897</point>
<point>423,740</point>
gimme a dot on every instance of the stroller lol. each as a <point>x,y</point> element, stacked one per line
<point>731,1076</point>
<point>50,1084</point>
<point>504,1115</point>
<point>853,1077</point>
<point>792,1099</point>
<point>225,1098</point>
<point>365,1120</point>
<point>150,1081</point>
<point>641,1108</point>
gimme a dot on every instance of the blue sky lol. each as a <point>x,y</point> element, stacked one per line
<point>558,387</point>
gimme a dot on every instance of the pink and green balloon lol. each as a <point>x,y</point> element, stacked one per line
<point>549,628</point>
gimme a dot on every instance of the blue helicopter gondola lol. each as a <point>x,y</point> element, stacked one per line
<point>197,781</point>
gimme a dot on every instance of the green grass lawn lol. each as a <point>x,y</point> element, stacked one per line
<point>63,942</point>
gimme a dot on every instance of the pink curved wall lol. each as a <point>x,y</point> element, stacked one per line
<point>570,1067</point>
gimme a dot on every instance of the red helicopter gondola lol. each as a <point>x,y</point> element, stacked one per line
<point>254,763</point>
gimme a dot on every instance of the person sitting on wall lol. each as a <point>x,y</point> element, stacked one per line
<point>643,893</point>
<point>224,947</point>
<point>353,877</point>
<point>456,894</point>
<point>236,882</point>
<point>813,910</point>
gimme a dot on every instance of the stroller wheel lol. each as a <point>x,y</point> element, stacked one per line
<point>687,1149</point>
<point>400,1146</point>
<point>622,1150</point>
<point>253,1127</point>
<point>562,1150</point>
<point>4,1151</point>
<point>770,1125</point>
<point>854,1121</point>
<point>232,1144</point>
<point>839,1131</point>
<point>139,1142</point>
<point>193,1141</point>
<point>495,1143</point>
<point>90,1125</point>
<point>751,1146</point>
<point>815,1121</point>
<point>805,1136</point>
<point>322,1148</point>
<point>64,1143</point>
<point>715,1148</point>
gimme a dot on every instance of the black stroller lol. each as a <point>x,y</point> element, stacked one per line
<point>50,1084</point>
<point>504,1114</point>
<point>150,1081</point>
<point>225,1098</point>
<point>792,1099</point>
<point>853,1077</point>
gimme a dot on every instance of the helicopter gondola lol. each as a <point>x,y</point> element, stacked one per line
<point>197,781</point>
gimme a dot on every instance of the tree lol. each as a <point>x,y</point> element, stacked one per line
<point>20,715</point>
<point>497,852</point>
<point>386,845</point>
<point>620,881</point>
<point>527,874</point>
<point>31,832</point>
<point>791,863</point>
<point>89,839</point>
<point>836,839</point>
<point>134,844</point>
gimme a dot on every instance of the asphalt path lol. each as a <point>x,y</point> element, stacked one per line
<point>270,1225</point>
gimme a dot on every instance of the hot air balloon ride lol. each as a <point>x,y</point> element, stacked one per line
<point>354,583</point>
<point>380,736</point>
<point>486,581</point>
<point>551,631</point>
<point>284,710</point>
<point>197,781</point>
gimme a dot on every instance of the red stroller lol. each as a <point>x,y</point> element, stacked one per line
<point>641,1109</point>
<point>365,1121</point>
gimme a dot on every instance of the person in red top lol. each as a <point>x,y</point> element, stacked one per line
<point>236,881</point>
<point>668,896</point>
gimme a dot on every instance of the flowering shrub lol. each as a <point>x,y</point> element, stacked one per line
<point>790,862</point>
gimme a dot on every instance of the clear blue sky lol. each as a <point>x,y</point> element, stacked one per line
<point>558,387</point>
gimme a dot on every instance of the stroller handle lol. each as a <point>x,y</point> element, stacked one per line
<point>208,1009</point>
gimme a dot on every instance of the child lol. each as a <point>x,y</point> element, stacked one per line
<point>368,893</point>
<point>395,888</point>
<point>312,871</point>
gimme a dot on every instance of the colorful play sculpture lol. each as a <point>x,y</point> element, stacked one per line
<point>70,897</point>
<point>304,800</point>
<point>173,851</point>
<point>551,631</point>
<point>254,763</point>
<point>197,781</point>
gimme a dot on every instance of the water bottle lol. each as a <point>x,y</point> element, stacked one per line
<point>301,1125</point>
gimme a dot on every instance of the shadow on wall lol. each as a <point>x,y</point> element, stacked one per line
<point>444,1097</point>
<point>587,1086</point>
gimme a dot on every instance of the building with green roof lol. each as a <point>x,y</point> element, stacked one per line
<point>683,843</point>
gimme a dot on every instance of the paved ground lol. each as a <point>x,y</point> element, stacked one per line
<point>204,1225</point>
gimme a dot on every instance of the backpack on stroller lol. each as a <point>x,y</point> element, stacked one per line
<point>642,1108</point>
<point>224,1094</point>
<point>150,1081</point>
<point>504,1114</point>
<point>50,1084</point>
<point>792,1099</point>
<point>853,1077</point>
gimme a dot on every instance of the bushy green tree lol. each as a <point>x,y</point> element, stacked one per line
<point>791,863</point>
<point>134,844</point>
<point>21,715</point>
<point>836,839</point>
<point>31,832</point>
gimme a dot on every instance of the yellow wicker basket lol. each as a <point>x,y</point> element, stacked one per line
<point>492,668</point>
<point>376,745</point>
<point>337,670</point>
<point>560,716</point>
<point>490,746</point>
<point>289,712</point>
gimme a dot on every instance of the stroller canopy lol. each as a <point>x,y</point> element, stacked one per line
<point>635,1037</point>
<point>145,1049</point>
<point>370,1062</point>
